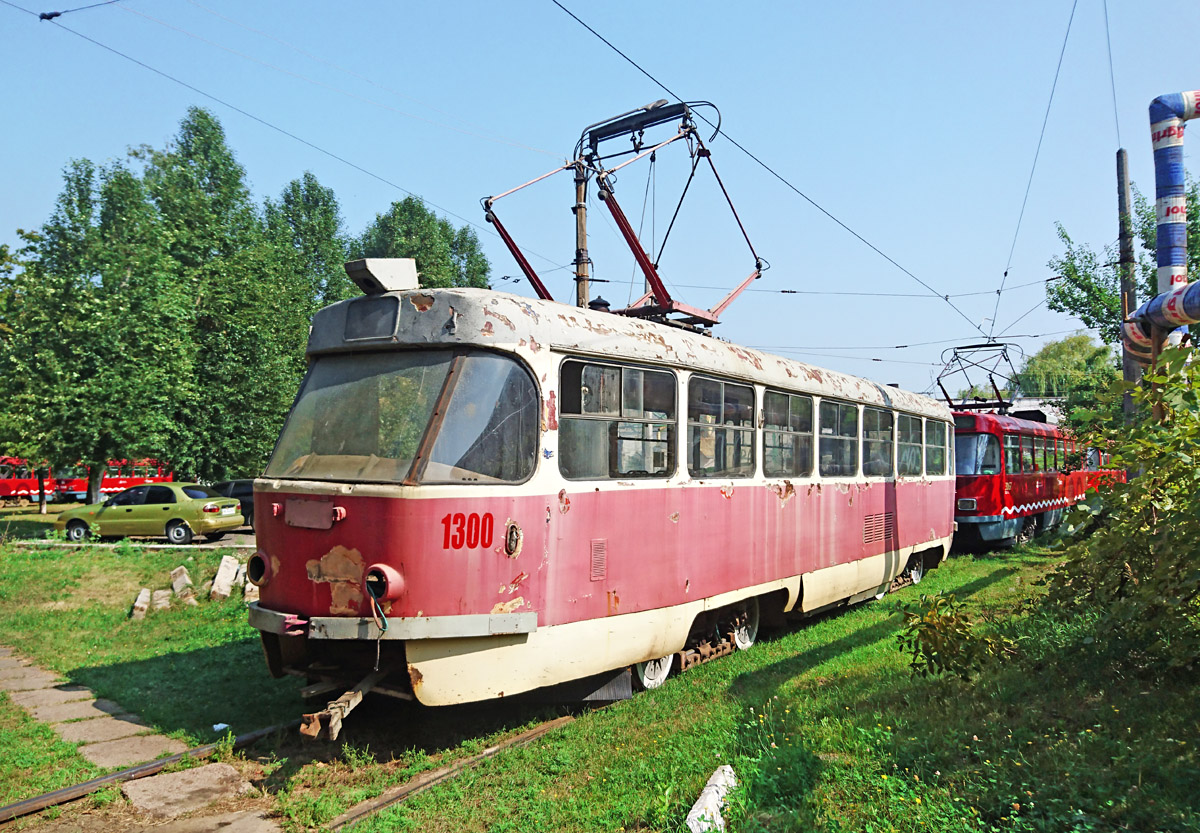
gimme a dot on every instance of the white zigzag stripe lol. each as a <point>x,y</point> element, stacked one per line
<point>1040,504</point>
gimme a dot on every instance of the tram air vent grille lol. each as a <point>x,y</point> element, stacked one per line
<point>879,527</point>
<point>599,559</point>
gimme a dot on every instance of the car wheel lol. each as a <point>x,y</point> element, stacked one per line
<point>77,531</point>
<point>179,533</point>
<point>214,536</point>
<point>250,519</point>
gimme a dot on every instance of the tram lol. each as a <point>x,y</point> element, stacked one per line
<point>1016,477</point>
<point>477,494</point>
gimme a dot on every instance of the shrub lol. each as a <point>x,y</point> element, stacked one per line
<point>941,638</point>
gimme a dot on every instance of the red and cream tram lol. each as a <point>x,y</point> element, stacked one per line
<point>1016,477</point>
<point>481,494</point>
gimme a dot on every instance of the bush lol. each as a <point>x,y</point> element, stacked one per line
<point>941,638</point>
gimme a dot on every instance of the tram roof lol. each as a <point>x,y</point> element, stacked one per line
<point>1002,423</point>
<point>500,320</point>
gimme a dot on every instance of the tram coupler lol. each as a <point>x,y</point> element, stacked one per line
<point>327,724</point>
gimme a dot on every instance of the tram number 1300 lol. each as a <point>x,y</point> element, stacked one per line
<point>470,531</point>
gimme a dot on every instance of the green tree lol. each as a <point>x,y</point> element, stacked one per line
<point>445,256</point>
<point>306,227</point>
<point>1090,283</point>
<point>1077,371</point>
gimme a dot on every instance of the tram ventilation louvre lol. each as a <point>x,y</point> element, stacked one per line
<point>600,559</point>
<point>879,527</point>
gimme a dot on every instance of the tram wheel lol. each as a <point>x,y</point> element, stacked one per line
<point>745,624</point>
<point>653,673</point>
<point>916,569</point>
<point>1027,531</point>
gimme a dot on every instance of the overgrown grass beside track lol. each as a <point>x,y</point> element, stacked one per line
<point>823,723</point>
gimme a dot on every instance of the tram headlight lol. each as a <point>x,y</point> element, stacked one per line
<point>966,504</point>
<point>383,582</point>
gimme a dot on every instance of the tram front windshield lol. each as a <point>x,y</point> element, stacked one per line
<point>429,416</point>
<point>976,454</point>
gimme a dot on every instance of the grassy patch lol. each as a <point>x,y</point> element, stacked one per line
<point>33,759</point>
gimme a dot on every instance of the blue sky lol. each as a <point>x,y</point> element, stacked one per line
<point>915,124</point>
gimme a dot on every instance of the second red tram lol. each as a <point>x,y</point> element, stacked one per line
<point>482,494</point>
<point>1016,477</point>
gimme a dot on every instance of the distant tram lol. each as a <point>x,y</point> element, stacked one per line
<point>72,483</point>
<point>481,494</point>
<point>1016,477</point>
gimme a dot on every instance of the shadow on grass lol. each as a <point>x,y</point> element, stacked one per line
<point>190,691</point>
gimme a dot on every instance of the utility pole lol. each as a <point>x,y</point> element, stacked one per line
<point>582,287</point>
<point>1131,369</point>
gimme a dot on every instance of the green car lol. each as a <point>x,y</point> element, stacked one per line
<point>177,510</point>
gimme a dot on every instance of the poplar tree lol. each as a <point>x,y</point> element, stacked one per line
<point>445,256</point>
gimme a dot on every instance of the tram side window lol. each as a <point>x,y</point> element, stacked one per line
<point>787,435</point>
<point>839,439</point>
<point>935,447</point>
<point>877,442</point>
<point>1062,455</point>
<point>1027,454</point>
<point>616,422</point>
<point>1039,453</point>
<point>1012,454</point>
<point>908,437</point>
<point>720,429</point>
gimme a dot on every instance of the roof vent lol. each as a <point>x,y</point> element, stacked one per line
<point>377,275</point>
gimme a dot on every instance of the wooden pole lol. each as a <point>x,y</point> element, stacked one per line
<point>582,287</point>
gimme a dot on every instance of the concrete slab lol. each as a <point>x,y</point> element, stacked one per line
<point>100,729</point>
<point>13,662</point>
<point>141,604</point>
<point>27,679</point>
<point>160,599</point>
<point>130,751</point>
<point>242,821</point>
<point>5,651</point>
<point>51,696</point>
<point>222,584</point>
<point>76,711</point>
<point>175,793</point>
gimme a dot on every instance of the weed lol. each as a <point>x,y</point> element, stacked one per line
<point>940,638</point>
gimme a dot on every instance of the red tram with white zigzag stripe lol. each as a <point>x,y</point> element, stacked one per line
<point>1016,477</point>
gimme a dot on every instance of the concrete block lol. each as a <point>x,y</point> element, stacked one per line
<point>240,821</point>
<point>12,662</point>
<point>26,679</point>
<point>223,583</point>
<point>250,592</point>
<point>141,604</point>
<point>5,651</point>
<point>161,599</point>
<point>175,793</point>
<point>181,584</point>
<point>59,712</point>
<point>51,696</point>
<point>130,751</point>
<point>100,729</point>
<point>240,579</point>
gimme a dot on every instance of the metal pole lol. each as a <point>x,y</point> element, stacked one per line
<point>582,288</point>
<point>1131,369</point>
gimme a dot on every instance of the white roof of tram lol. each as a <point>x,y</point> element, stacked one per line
<point>486,318</point>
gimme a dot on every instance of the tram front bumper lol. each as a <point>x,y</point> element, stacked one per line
<point>420,627</point>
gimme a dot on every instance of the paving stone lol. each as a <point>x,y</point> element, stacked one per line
<point>5,651</point>
<point>141,604</point>
<point>243,821</point>
<point>222,585</point>
<point>161,599</point>
<point>76,711</point>
<point>27,679</point>
<point>129,751</point>
<point>100,729</point>
<point>175,793</point>
<point>13,662</point>
<point>51,696</point>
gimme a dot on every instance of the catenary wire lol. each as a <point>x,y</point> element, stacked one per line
<point>52,15</point>
<point>899,346</point>
<point>1112,78</point>
<point>276,128</point>
<point>773,172</point>
<point>1033,168</point>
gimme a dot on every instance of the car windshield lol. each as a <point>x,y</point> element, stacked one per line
<point>976,454</point>
<point>435,416</point>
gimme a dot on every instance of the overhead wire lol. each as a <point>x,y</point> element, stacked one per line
<point>272,126</point>
<point>1112,78</point>
<point>772,171</point>
<point>1033,168</point>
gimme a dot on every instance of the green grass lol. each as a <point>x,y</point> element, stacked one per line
<point>33,759</point>
<point>823,722</point>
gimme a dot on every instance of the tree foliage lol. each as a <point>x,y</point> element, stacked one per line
<point>1140,567</point>
<point>1090,283</point>
<point>160,313</point>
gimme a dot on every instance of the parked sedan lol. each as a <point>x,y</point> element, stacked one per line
<point>177,510</point>
<point>243,490</point>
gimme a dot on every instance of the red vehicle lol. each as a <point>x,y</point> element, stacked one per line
<point>1014,478</point>
<point>481,494</point>
<point>19,482</point>
<point>71,483</point>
